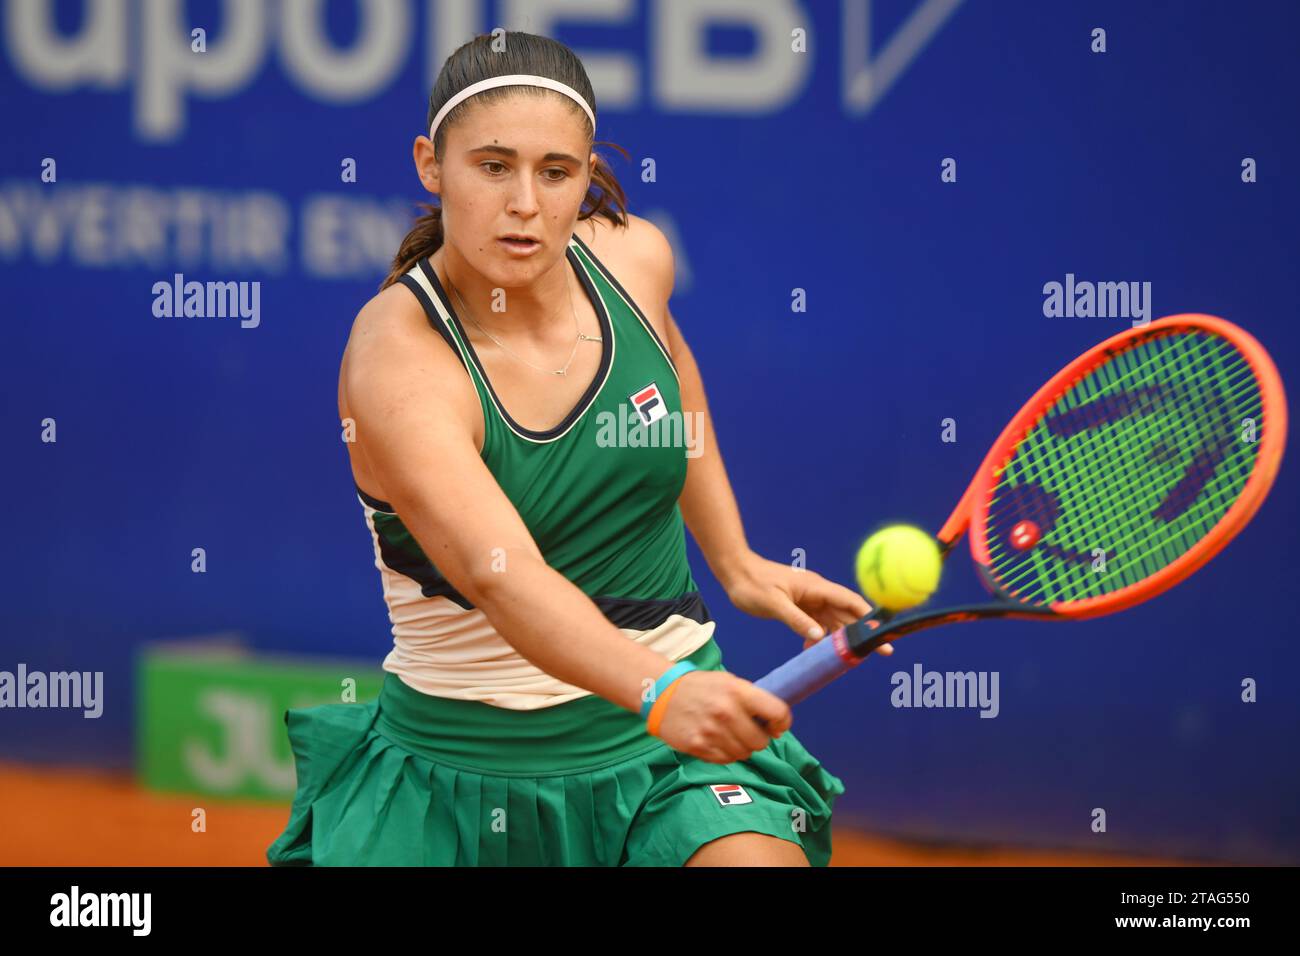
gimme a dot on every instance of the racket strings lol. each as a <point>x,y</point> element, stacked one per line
<point>1115,501</point>
<point>1104,507</point>
<point>1140,458</point>
<point>1214,436</point>
<point>1067,570</point>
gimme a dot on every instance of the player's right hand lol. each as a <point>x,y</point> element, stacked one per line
<point>711,716</point>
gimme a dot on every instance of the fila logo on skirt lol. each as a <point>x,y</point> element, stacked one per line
<point>649,404</point>
<point>730,794</point>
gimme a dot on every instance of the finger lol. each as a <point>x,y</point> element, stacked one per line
<point>829,609</point>
<point>885,649</point>
<point>737,731</point>
<point>774,712</point>
<point>842,601</point>
<point>829,626</point>
<point>829,623</point>
<point>748,734</point>
<point>832,619</point>
<point>725,738</point>
<point>798,620</point>
<point>714,755</point>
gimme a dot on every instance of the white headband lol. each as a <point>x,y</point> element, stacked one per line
<point>513,79</point>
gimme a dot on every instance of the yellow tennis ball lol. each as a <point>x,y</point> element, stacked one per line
<point>898,567</point>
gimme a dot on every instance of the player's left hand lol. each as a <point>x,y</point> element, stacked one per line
<point>803,599</point>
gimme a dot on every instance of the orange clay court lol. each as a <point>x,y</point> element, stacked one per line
<point>101,818</point>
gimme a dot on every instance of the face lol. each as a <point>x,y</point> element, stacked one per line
<point>518,166</point>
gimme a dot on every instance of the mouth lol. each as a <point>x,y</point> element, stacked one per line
<point>518,244</point>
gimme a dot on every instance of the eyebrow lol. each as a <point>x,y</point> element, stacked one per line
<point>512,153</point>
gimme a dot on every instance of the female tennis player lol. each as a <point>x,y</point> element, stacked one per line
<point>521,399</point>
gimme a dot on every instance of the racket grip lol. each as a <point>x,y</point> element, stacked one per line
<point>812,670</point>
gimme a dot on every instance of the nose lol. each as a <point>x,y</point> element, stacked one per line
<point>523,198</point>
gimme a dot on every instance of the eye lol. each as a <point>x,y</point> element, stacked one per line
<point>491,162</point>
<point>563,174</point>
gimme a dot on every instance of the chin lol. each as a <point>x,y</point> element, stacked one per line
<point>506,272</point>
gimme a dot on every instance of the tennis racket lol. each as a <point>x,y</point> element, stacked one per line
<point>1125,473</point>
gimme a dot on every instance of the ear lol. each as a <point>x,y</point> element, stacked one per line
<point>426,166</point>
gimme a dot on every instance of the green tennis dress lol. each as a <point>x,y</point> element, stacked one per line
<point>470,756</point>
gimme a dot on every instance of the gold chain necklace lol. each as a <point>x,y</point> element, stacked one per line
<point>557,371</point>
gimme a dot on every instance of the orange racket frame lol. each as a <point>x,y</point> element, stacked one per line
<point>841,651</point>
<point>972,511</point>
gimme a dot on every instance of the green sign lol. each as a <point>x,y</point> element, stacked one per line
<point>211,719</point>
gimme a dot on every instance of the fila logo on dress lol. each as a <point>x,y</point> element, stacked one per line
<point>730,794</point>
<point>649,404</point>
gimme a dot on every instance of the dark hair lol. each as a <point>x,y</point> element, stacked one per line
<point>477,60</point>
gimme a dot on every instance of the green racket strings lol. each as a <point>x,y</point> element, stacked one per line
<point>1128,470</point>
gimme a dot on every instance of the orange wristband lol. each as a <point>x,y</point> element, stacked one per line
<point>657,711</point>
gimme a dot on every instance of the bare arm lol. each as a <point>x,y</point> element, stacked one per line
<point>396,377</point>
<point>811,605</point>
<point>708,504</point>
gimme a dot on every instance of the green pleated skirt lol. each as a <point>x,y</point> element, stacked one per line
<point>414,780</point>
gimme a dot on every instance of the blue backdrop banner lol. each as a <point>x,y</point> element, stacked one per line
<point>870,203</point>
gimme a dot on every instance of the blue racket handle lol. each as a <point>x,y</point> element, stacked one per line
<point>812,670</point>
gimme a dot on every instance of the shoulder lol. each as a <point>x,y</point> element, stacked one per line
<point>391,317</point>
<point>392,344</point>
<point>641,258</point>
<point>640,251</point>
